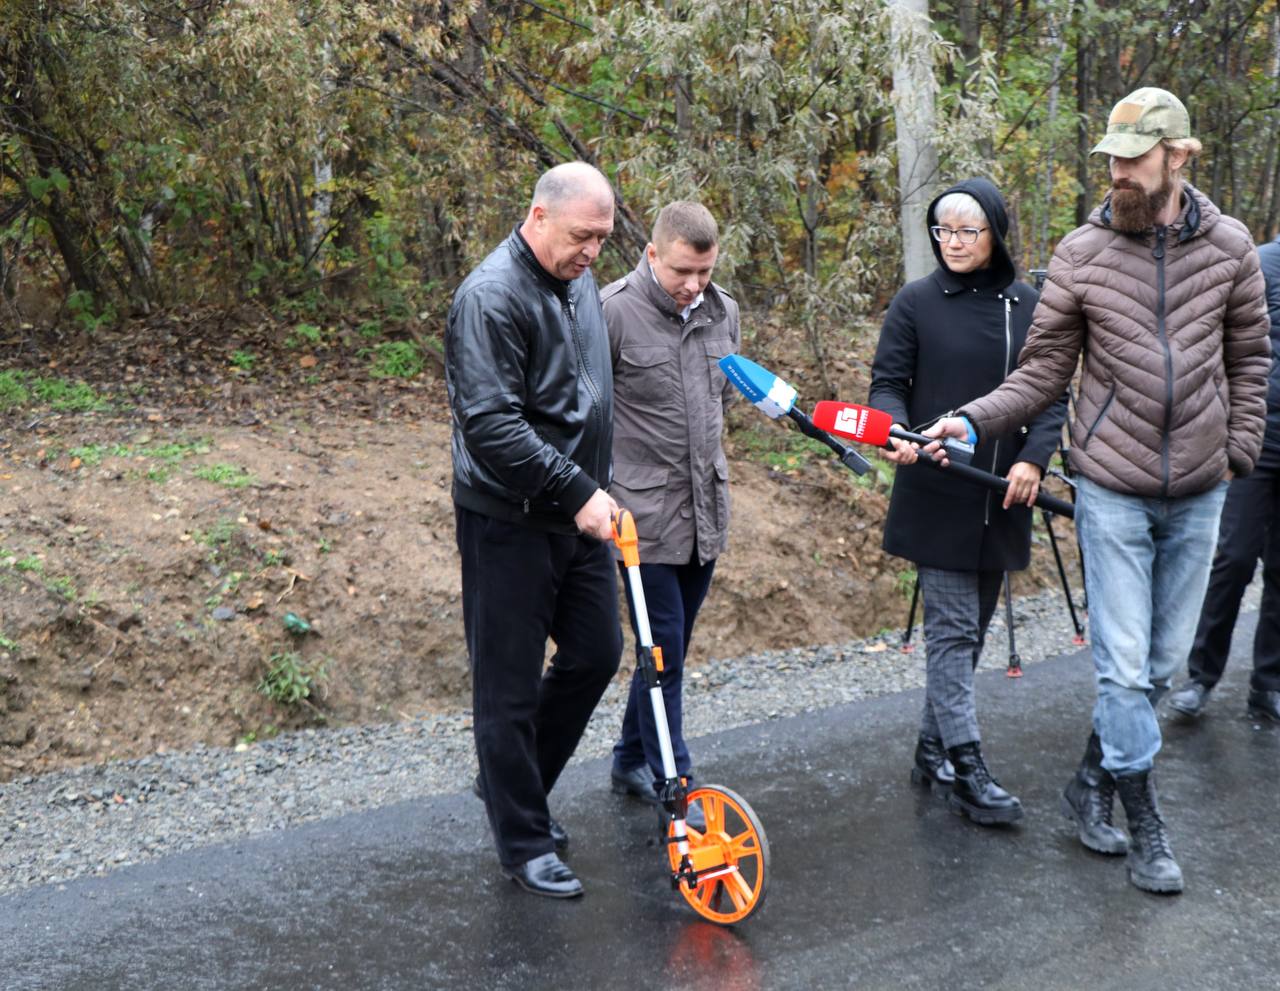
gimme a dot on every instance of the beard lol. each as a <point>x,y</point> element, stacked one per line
<point>1133,209</point>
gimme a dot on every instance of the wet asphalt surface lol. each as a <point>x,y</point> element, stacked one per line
<point>872,883</point>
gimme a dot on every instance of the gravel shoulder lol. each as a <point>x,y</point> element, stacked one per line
<point>91,820</point>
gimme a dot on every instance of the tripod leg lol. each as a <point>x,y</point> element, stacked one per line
<point>1062,576</point>
<point>907,646</point>
<point>1014,670</point>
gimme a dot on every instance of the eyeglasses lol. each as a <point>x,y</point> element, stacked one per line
<point>967,235</point>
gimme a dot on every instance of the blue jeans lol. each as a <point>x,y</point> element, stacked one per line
<point>1146,568</point>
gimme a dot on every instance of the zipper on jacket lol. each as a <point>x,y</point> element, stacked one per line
<point>1158,254</point>
<point>1008,346</point>
<point>572,312</point>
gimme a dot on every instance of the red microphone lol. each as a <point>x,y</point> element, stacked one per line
<point>873,426</point>
<point>860,423</point>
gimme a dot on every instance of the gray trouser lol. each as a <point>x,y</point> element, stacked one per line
<point>957,609</point>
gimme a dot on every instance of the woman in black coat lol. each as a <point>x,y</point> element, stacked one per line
<point>947,338</point>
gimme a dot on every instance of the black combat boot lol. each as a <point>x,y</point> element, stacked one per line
<point>1088,800</point>
<point>975,792</point>
<point>1151,864</point>
<point>932,769</point>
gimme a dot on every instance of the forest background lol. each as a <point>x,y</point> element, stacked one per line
<point>216,211</point>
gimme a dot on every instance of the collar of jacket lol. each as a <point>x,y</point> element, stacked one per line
<point>952,285</point>
<point>648,284</point>
<point>524,254</point>
<point>1187,225</point>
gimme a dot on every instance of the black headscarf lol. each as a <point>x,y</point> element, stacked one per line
<point>1000,271</point>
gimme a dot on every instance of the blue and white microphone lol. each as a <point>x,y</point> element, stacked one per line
<point>769,394</point>
<point>775,398</point>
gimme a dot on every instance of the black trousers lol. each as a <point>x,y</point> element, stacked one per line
<point>1248,530</point>
<point>519,587</point>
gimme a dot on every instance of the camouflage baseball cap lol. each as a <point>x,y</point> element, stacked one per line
<point>1140,120</point>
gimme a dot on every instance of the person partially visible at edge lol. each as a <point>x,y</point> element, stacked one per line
<point>531,396</point>
<point>1247,531</point>
<point>947,337</point>
<point>669,325</point>
<point>1161,293</point>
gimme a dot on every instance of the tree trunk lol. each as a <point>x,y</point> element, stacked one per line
<point>1084,76</point>
<point>913,89</point>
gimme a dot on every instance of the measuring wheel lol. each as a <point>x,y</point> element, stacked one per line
<point>729,859</point>
<point>721,869</point>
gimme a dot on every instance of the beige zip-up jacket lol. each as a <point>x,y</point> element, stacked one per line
<point>1174,330</point>
<point>669,466</point>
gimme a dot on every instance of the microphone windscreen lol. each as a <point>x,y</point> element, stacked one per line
<point>860,423</point>
<point>767,392</point>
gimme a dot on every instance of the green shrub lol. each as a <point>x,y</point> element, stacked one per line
<point>396,359</point>
<point>288,681</point>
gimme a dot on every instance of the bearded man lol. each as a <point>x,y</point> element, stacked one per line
<point>1163,295</point>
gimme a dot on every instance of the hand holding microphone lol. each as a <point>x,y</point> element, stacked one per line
<point>948,448</point>
<point>873,426</point>
<point>947,427</point>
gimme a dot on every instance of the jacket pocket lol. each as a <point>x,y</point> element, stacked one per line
<point>643,490</point>
<point>645,373</point>
<point>722,495</point>
<point>1102,412</point>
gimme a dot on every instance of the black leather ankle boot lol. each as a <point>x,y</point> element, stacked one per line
<point>1150,863</point>
<point>1089,798</point>
<point>975,792</point>
<point>932,769</point>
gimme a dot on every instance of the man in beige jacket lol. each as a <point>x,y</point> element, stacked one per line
<point>669,325</point>
<point>1163,296</point>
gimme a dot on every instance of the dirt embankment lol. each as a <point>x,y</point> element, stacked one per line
<point>150,554</point>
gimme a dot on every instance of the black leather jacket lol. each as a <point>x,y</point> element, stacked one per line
<point>531,391</point>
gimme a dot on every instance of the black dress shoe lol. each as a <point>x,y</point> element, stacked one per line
<point>1190,699</point>
<point>559,835</point>
<point>638,783</point>
<point>1264,705</point>
<point>548,876</point>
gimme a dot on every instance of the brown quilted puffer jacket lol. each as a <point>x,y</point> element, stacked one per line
<point>1174,330</point>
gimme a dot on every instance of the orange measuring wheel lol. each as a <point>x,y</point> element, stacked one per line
<point>729,859</point>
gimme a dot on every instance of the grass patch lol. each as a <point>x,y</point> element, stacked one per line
<point>229,476</point>
<point>30,563</point>
<point>305,335</point>
<point>218,535</point>
<point>396,359</point>
<point>18,389</point>
<point>7,645</point>
<point>288,680</point>
<point>62,586</point>
<point>783,450</point>
<point>243,360</point>
<point>13,391</point>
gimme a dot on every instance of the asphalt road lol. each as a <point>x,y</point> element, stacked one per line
<point>873,884</point>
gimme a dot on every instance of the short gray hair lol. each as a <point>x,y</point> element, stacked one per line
<point>959,205</point>
<point>571,181</point>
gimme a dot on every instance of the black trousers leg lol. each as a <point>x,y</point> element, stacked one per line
<point>1266,641</point>
<point>518,584</point>
<point>1242,530</point>
<point>588,648</point>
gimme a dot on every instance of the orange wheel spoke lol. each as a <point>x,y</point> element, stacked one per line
<point>744,845</point>
<point>705,891</point>
<point>713,809</point>
<point>739,890</point>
